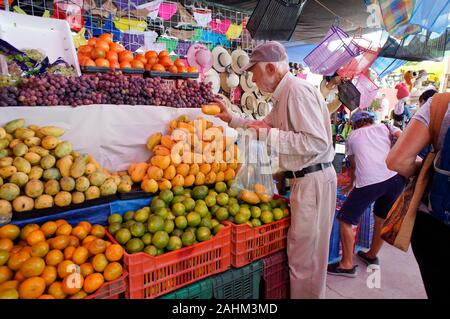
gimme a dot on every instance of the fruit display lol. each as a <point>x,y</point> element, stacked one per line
<point>104,88</point>
<point>40,170</point>
<point>161,62</point>
<point>195,153</point>
<point>176,218</point>
<point>56,260</point>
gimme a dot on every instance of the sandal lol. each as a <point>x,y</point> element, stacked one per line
<point>335,270</point>
<point>368,261</point>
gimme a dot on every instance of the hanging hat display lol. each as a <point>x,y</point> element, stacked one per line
<point>239,59</point>
<point>263,108</point>
<point>246,82</point>
<point>213,77</point>
<point>223,82</point>
<point>199,56</point>
<point>249,103</point>
<point>221,59</point>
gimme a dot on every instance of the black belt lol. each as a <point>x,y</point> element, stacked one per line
<point>307,170</point>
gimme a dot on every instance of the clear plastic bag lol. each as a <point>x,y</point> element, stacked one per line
<point>255,173</point>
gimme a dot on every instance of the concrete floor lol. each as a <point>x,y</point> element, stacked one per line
<point>399,279</point>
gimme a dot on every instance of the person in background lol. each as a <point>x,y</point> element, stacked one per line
<point>430,239</point>
<point>329,91</point>
<point>299,125</point>
<point>423,98</point>
<point>367,149</point>
<point>384,106</point>
<point>400,110</point>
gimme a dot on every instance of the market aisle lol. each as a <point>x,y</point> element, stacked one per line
<point>400,279</point>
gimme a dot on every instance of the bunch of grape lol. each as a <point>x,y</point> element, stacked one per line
<point>8,96</point>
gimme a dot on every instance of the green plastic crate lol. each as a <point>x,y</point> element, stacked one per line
<point>198,290</point>
<point>241,283</point>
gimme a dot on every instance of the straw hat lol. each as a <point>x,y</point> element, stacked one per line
<point>223,82</point>
<point>263,108</point>
<point>221,59</point>
<point>246,82</point>
<point>199,56</point>
<point>249,103</point>
<point>213,77</point>
<point>239,59</point>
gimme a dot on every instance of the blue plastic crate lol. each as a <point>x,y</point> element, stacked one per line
<point>123,206</point>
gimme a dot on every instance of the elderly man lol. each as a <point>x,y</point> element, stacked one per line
<point>299,124</point>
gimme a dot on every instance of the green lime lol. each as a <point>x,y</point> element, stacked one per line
<point>115,218</point>
<point>277,214</point>
<point>206,222</point>
<point>174,243</point>
<point>245,211</point>
<point>114,227</point>
<point>162,212</point>
<point>202,210</point>
<point>217,228</point>
<point>203,233</point>
<point>210,200</point>
<point>214,222</point>
<point>189,204</point>
<point>178,209</point>
<point>233,192</point>
<point>128,224</point>
<point>256,211</point>
<point>177,232</point>
<point>221,187</point>
<point>128,216</point>
<point>166,195</point>
<point>193,219</point>
<point>214,209</point>
<point>266,217</point>
<point>222,214</point>
<point>188,238</point>
<point>151,250</point>
<point>178,199</point>
<point>169,226</point>
<point>178,190</point>
<point>155,224</point>
<point>141,215</point>
<point>212,193</point>
<point>232,201</point>
<point>256,222</point>
<point>147,239</point>
<point>157,203</point>
<point>265,207</point>
<point>222,199</point>
<point>160,239</point>
<point>233,209</point>
<point>137,230</point>
<point>199,192</point>
<point>134,245</point>
<point>181,222</point>
<point>230,183</point>
<point>240,218</point>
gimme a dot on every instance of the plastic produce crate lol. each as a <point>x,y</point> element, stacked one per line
<point>249,244</point>
<point>242,283</point>
<point>112,289</point>
<point>276,276</point>
<point>198,290</point>
<point>93,70</point>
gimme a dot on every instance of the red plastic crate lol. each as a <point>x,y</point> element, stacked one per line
<point>276,276</point>
<point>112,289</point>
<point>249,244</point>
<point>150,277</point>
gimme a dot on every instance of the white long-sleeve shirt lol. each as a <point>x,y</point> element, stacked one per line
<point>301,129</point>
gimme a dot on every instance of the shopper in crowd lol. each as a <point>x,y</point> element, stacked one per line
<point>401,113</point>
<point>299,125</point>
<point>425,96</point>
<point>367,149</point>
<point>431,235</point>
<point>329,91</point>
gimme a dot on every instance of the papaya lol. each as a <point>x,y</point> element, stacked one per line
<point>153,140</point>
<point>39,150</point>
<point>79,166</point>
<point>164,184</point>
<point>64,164</point>
<point>249,197</point>
<point>149,186</point>
<point>126,179</point>
<point>63,149</point>
<point>124,187</point>
<point>139,171</point>
<point>36,172</point>
<point>178,180</point>
<point>9,191</point>
<point>189,127</point>
<point>167,142</point>
<point>49,142</point>
<point>52,187</point>
<point>160,161</point>
<point>189,180</point>
<point>220,177</point>
<point>97,178</point>
<point>230,174</point>
<point>211,109</point>
<point>210,178</point>
<point>116,179</point>
<point>23,204</point>
<point>131,168</point>
<point>154,172</point>
<point>52,173</point>
<point>22,165</point>
<point>78,197</point>
<point>51,131</point>
<point>200,179</point>
<point>161,150</point>
<point>92,160</point>
<point>109,187</point>
<point>259,188</point>
<point>5,208</point>
<point>43,201</point>
<point>6,172</point>
<point>19,178</point>
<point>63,199</point>
<point>265,198</point>
<point>92,192</point>
<point>82,184</point>
<point>2,133</point>
<point>13,125</point>
<point>23,133</point>
<point>14,142</point>
<point>34,188</point>
<point>90,168</point>
<point>6,161</point>
<point>170,172</point>
<point>20,149</point>
<point>48,161</point>
<point>67,184</point>
<point>32,158</point>
<point>32,141</point>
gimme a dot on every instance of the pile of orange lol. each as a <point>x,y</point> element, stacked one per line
<point>56,260</point>
<point>163,63</point>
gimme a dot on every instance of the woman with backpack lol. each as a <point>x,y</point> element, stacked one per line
<point>431,234</point>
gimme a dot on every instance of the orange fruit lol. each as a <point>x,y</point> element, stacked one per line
<point>93,282</point>
<point>98,231</point>
<point>16,260</point>
<point>99,262</point>
<point>5,274</point>
<point>72,284</point>
<point>56,290</point>
<point>152,60</point>
<point>158,67</point>
<point>80,232</point>
<point>26,249</point>
<point>192,69</point>
<point>97,246</point>
<point>86,269</point>
<point>32,267</point>
<point>125,65</point>
<point>114,252</point>
<point>137,64</point>
<point>35,237</point>
<point>27,229</point>
<point>108,37</point>
<point>10,284</point>
<point>68,252</point>
<point>19,276</point>
<point>112,56</point>
<point>74,241</point>
<point>126,56</point>
<point>9,231</point>
<point>113,271</point>
<point>32,288</point>
<point>97,53</point>
<point>172,69</point>
<point>182,69</point>
<point>114,65</point>
<point>46,297</point>
<point>102,45</point>
<point>85,225</point>
<point>163,54</point>
<point>166,61</point>
<point>85,49</point>
<point>92,42</point>
<point>88,239</point>
<point>59,242</point>
<point>148,67</point>
<point>60,222</point>
<point>141,57</point>
<point>80,255</point>
<point>49,228</point>
<point>102,63</point>
<point>54,257</point>
<point>179,62</point>
<point>89,62</point>
<point>49,275</point>
<point>65,229</point>
<point>151,54</point>
<point>79,295</point>
<point>40,249</point>
<point>65,268</point>
<point>6,244</point>
<point>116,47</point>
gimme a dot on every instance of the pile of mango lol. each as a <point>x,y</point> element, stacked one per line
<point>193,153</point>
<point>39,170</point>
